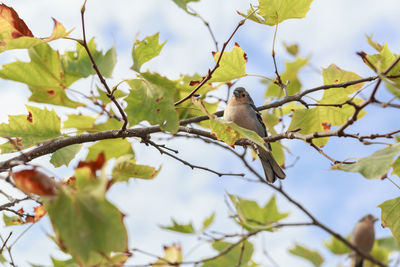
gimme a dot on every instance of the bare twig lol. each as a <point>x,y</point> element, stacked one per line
<point>207,25</point>
<point>162,150</point>
<point>210,72</point>
<point>95,67</point>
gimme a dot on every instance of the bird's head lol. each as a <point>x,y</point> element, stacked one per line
<point>241,96</point>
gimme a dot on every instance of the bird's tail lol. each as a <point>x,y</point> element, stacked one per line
<point>271,167</point>
<point>359,262</point>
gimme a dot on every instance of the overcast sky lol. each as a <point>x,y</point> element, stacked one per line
<point>332,32</point>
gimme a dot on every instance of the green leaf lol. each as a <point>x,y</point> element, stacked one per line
<point>39,125</point>
<point>292,49</point>
<point>396,167</point>
<point>11,220</point>
<point>381,62</point>
<point>151,99</point>
<point>183,4</point>
<point>231,66</point>
<point>252,216</point>
<point>125,168</point>
<point>388,243</point>
<point>231,258</point>
<point>375,45</point>
<point>44,75</point>
<point>78,62</point>
<point>64,263</point>
<point>143,51</point>
<point>229,132</point>
<point>379,253</point>
<point>336,246</point>
<point>64,155</point>
<point>105,99</point>
<point>316,119</point>
<point>112,148</point>
<point>86,224</point>
<point>334,75</point>
<point>390,216</point>
<point>208,221</point>
<point>79,122</point>
<point>272,12</point>
<point>179,227</point>
<point>290,74</point>
<point>375,165</point>
<point>310,255</point>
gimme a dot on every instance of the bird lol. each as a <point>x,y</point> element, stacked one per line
<point>242,111</point>
<point>363,237</point>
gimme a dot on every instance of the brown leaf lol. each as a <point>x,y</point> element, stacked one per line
<point>34,182</point>
<point>95,164</point>
<point>10,21</point>
<point>40,211</point>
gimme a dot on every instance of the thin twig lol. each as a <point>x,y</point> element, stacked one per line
<point>95,67</point>
<point>210,72</point>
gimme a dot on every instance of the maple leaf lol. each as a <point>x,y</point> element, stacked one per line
<point>11,25</point>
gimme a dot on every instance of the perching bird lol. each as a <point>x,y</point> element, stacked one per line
<point>363,237</point>
<point>242,111</point>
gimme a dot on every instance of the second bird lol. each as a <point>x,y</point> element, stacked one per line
<point>242,111</point>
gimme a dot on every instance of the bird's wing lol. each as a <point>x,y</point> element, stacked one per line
<point>259,119</point>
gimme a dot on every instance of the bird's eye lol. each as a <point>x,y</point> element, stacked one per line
<point>243,94</point>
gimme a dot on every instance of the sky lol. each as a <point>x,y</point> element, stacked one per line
<point>332,32</point>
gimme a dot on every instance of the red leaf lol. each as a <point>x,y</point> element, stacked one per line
<point>95,164</point>
<point>15,26</point>
<point>35,182</point>
<point>192,83</point>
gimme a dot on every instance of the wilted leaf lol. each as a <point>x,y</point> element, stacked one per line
<point>64,155</point>
<point>172,254</point>
<point>231,66</point>
<point>151,99</point>
<point>125,168</point>
<point>375,165</point>
<point>14,33</point>
<point>44,75</point>
<point>310,255</point>
<point>34,182</point>
<point>93,165</point>
<point>390,216</point>
<point>252,216</point>
<point>37,126</point>
<point>143,51</point>
<point>79,64</point>
<point>231,258</point>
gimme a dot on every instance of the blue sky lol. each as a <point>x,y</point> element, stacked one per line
<point>332,32</point>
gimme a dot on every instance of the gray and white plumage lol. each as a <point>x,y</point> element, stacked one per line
<point>242,111</point>
<point>363,237</point>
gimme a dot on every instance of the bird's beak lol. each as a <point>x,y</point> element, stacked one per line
<point>375,219</point>
<point>236,93</point>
